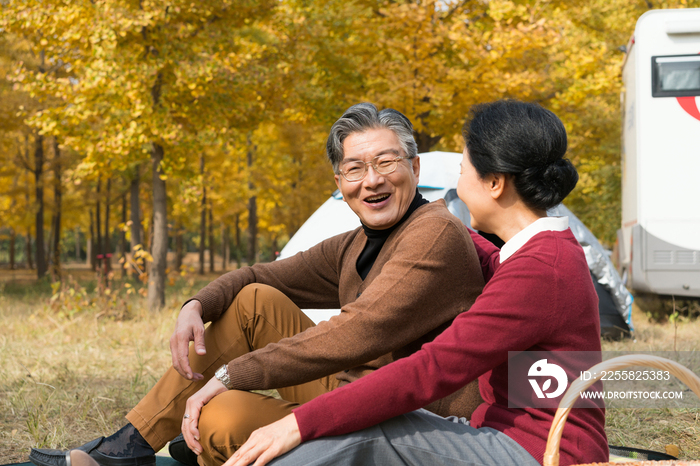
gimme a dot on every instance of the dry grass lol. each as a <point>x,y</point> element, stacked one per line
<point>66,378</point>
<point>653,429</point>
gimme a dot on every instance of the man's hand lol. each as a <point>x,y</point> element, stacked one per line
<point>189,327</point>
<point>193,408</point>
<point>267,443</point>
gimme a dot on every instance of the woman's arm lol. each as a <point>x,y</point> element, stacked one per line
<point>511,309</point>
<point>514,313</point>
<point>488,254</point>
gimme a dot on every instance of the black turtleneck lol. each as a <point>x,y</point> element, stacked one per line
<point>377,238</point>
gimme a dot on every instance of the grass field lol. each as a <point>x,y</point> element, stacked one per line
<point>71,368</point>
<point>67,378</point>
<point>653,429</point>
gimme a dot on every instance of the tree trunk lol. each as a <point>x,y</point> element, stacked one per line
<point>122,235</point>
<point>252,229</point>
<point>203,219</point>
<point>135,211</point>
<point>13,233</point>
<point>179,249</point>
<point>252,212</point>
<point>224,247</point>
<point>41,268</point>
<point>108,247</point>
<point>77,243</point>
<point>99,253</point>
<point>27,198</point>
<point>91,251</point>
<point>30,265</point>
<point>156,278</point>
<point>211,242</point>
<point>48,247</point>
<point>150,237</point>
<point>425,142</point>
<point>238,242</point>
<point>13,236</point>
<point>88,251</point>
<point>202,236</point>
<point>57,215</point>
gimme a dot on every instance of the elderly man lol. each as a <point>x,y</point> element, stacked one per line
<point>399,280</point>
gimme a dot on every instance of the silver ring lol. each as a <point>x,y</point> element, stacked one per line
<point>187,416</point>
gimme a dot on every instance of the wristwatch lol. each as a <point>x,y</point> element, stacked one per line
<point>222,375</point>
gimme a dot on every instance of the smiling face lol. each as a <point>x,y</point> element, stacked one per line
<point>379,200</point>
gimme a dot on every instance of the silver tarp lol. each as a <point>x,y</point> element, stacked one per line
<point>599,263</point>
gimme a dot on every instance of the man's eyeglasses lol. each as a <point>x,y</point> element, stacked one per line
<point>384,164</point>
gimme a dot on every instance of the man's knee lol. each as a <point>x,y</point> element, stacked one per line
<point>221,427</point>
<point>227,421</point>
<point>250,291</point>
<point>266,315</point>
<point>257,299</point>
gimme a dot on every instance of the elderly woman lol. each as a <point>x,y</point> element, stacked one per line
<point>539,297</point>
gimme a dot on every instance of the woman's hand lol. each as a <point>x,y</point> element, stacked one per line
<point>193,408</point>
<point>268,443</point>
<point>189,327</point>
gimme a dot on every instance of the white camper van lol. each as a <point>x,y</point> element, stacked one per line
<point>659,242</point>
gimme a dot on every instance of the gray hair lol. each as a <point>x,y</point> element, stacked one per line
<point>362,117</point>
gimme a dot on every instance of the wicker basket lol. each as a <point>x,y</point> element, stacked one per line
<point>551,455</point>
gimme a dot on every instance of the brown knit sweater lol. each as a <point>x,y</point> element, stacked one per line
<point>426,274</point>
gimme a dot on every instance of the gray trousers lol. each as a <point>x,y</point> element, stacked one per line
<point>417,438</point>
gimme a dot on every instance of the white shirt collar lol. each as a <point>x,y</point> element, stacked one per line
<point>524,235</point>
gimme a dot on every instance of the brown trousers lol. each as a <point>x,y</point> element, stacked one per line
<point>259,315</point>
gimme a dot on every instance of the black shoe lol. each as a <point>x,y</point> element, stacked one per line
<point>181,452</point>
<point>49,457</point>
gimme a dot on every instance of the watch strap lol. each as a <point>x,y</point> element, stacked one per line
<point>222,375</point>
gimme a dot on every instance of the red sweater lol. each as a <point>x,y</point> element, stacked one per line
<point>540,299</point>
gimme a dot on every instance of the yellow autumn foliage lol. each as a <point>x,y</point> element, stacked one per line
<point>252,88</point>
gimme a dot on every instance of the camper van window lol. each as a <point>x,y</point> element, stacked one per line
<point>675,76</point>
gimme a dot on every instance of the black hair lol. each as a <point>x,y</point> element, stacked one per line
<point>526,141</point>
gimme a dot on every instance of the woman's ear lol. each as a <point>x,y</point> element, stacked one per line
<point>496,184</point>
